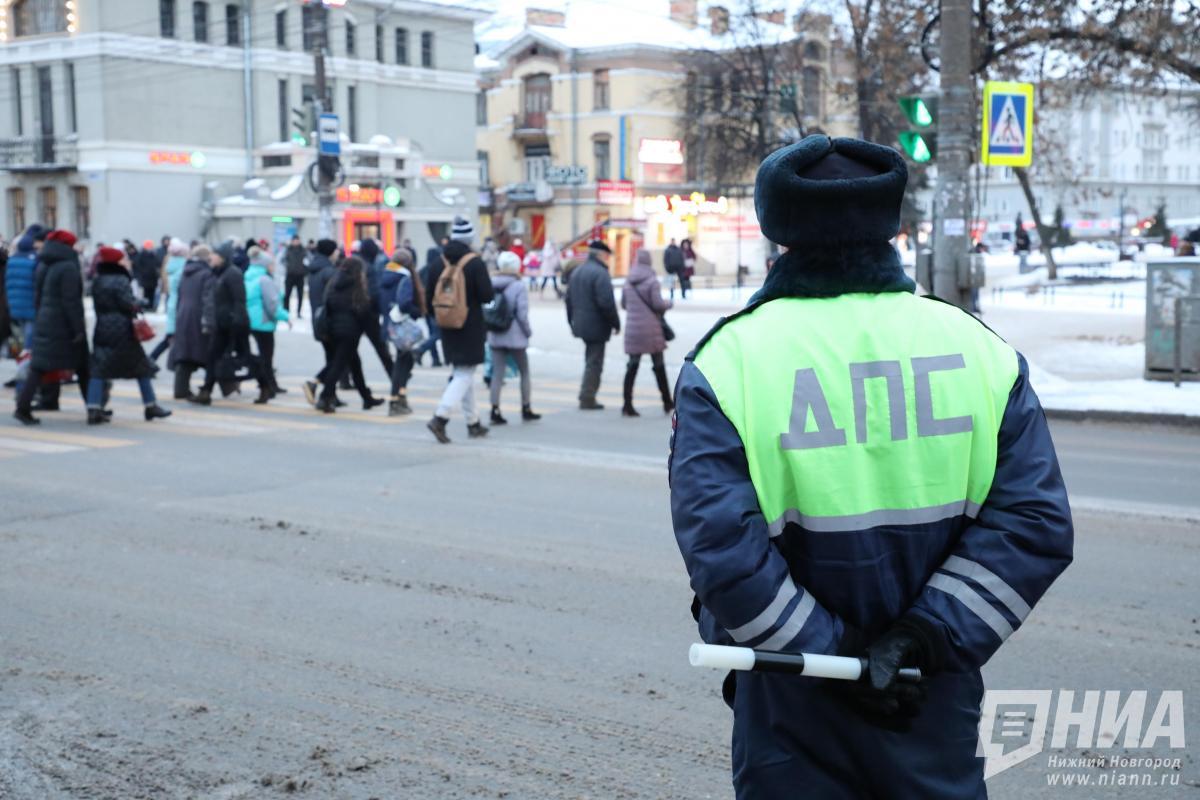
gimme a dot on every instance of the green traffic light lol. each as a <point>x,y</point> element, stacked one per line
<point>920,112</point>
<point>915,146</point>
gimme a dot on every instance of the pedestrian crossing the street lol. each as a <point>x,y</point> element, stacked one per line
<point>289,414</point>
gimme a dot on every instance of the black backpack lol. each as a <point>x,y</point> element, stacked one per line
<point>498,314</point>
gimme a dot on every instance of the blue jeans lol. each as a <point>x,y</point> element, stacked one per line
<point>95,392</point>
<point>26,333</point>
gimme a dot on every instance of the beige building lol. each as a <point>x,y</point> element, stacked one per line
<point>580,130</point>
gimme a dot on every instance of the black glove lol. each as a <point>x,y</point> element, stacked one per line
<point>880,699</point>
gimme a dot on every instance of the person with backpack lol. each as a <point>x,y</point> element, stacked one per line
<point>457,289</point>
<point>592,314</point>
<point>266,307</point>
<point>507,320</point>
<point>400,295</point>
<point>645,330</point>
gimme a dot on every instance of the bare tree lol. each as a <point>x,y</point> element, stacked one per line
<point>742,99</point>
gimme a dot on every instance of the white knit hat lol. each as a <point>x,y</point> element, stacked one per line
<point>508,260</point>
<point>462,231</point>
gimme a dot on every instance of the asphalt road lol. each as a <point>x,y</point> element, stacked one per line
<point>246,602</point>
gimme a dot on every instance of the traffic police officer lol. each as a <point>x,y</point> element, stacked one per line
<point>860,471</point>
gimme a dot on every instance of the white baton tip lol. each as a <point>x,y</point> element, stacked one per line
<point>842,668</point>
<point>721,657</point>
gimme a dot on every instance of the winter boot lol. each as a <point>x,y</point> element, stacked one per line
<point>398,406</point>
<point>664,388</point>
<point>631,371</point>
<point>310,392</point>
<point>528,415</point>
<point>437,426</point>
<point>326,405</point>
<point>26,417</point>
<point>95,416</point>
<point>372,402</point>
<point>154,412</point>
<point>201,398</point>
<point>497,417</point>
<point>183,379</point>
<point>264,395</point>
<point>476,430</point>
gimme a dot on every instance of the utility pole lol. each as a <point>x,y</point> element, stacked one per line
<point>324,176</point>
<point>951,198</point>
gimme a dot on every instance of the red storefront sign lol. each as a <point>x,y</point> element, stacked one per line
<point>361,196</point>
<point>614,193</point>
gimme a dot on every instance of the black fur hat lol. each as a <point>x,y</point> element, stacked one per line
<point>822,191</point>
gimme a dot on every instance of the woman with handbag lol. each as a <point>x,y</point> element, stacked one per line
<point>402,301</point>
<point>117,352</point>
<point>646,329</point>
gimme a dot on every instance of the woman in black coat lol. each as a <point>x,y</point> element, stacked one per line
<point>189,348</point>
<point>116,352</point>
<point>349,309</point>
<point>59,333</point>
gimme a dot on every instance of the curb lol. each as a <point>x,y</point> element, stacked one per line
<point>1144,417</point>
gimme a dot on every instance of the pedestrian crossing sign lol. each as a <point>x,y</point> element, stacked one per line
<point>1007,124</point>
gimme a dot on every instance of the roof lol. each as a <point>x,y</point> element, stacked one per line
<point>620,24</point>
<point>469,10</point>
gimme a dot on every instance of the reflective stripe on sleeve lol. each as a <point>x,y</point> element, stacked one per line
<point>974,601</point>
<point>990,581</point>
<point>791,629</point>
<point>763,622</point>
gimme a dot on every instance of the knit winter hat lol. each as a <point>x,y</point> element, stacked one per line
<point>226,251</point>
<point>63,237</point>
<point>327,247</point>
<point>37,233</point>
<point>403,256</point>
<point>462,231</point>
<point>368,251</point>
<point>822,191</point>
<point>508,260</point>
<point>110,255</point>
<point>643,257</point>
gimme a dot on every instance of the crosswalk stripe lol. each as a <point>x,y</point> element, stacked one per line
<point>30,446</point>
<point>76,439</point>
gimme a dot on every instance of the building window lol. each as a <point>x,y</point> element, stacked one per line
<point>537,100</point>
<point>281,29</point>
<point>233,25</point>
<point>379,43</point>
<point>45,87</point>
<point>485,176</point>
<point>83,211</point>
<point>200,21</point>
<point>600,90</point>
<point>308,94</point>
<point>166,18</point>
<point>481,108</point>
<point>814,51</point>
<point>16,210</point>
<point>72,109</point>
<point>537,160</point>
<point>284,108</point>
<point>18,107</point>
<point>351,38</point>
<point>352,111</point>
<point>48,206</point>
<point>401,45</point>
<point>812,92</point>
<point>427,49</point>
<point>602,150</point>
<point>33,17</point>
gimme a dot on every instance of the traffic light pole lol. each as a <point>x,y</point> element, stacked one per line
<point>324,178</point>
<point>951,198</point>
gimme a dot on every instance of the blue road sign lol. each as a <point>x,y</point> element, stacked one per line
<point>329,135</point>
<point>1007,124</point>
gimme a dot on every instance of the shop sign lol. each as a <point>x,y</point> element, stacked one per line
<point>179,158</point>
<point>566,176</point>
<point>521,193</point>
<point>694,204</point>
<point>360,195</point>
<point>614,193</point>
<point>660,151</point>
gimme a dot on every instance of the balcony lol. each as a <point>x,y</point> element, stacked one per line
<point>39,154</point>
<point>530,127</point>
